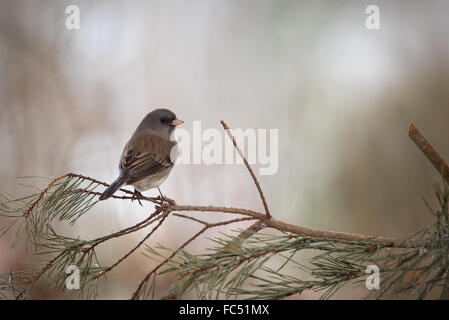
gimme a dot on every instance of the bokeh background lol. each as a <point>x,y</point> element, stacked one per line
<point>342,97</point>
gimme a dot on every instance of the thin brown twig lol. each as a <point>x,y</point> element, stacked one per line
<point>213,224</point>
<point>429,151</point>
<point>190,218</point>
<point>251,172</point>
<point>143,224</point>
<point>245,234</point>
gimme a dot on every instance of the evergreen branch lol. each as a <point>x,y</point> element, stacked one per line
<point>31,207</point>
<point>162,219</point>
<point>45,268</point>
<point>141,288</point>
<point>413,265</point>
<point>431,283</point>
<point>336,267</point>
<point>55,269</point>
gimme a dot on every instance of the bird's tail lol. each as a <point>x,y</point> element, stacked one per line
<point>120,181</point>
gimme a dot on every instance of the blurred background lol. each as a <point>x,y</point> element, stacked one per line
<point>342,97</point>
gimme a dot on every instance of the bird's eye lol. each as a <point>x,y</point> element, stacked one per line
<point>164,120</point>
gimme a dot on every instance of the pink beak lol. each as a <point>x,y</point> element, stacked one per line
<point>176,122</point>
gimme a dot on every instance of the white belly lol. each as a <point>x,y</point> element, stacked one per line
<point>148,183</point>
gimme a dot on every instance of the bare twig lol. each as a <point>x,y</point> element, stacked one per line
<point>429,151</point>
<point>190,218</point>
<point>245,234</point>
<point>256,182</point>
<point>146,222</point>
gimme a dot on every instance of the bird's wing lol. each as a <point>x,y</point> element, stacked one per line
<point>145,155</point>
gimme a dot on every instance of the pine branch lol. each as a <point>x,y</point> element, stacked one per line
<point>412,265</point>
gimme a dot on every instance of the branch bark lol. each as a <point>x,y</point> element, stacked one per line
<point>429,151</point>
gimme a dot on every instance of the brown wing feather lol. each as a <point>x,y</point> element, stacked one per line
<point>145,155</point>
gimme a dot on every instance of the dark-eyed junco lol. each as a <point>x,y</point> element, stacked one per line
<point>145,162</point>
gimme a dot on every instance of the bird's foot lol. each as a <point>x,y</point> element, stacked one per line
<point>137,196</point>
<point>163,199</point>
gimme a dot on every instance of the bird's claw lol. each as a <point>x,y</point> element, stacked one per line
<point>137,196</point>
<point>162,199</point>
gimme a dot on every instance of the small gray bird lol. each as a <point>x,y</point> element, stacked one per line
<point>145,162</point>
